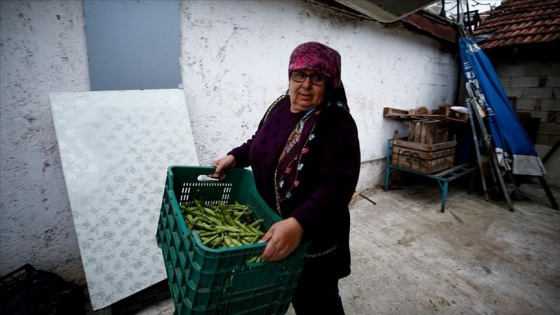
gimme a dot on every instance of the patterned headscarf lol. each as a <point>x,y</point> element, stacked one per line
<point>318,57</point>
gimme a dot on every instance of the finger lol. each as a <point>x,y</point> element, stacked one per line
<point>268,252</point>
<point>266,237</point>
<point>216,175</point>
<point>278,255</point>
<point>220,173</point>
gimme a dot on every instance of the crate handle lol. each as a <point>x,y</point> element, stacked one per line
<point>206,178</point>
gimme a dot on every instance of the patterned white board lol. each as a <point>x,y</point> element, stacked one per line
<point>115,147</point>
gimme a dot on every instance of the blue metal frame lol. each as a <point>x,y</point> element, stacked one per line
<point>443,177</point>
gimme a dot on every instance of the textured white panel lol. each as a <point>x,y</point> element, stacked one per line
<point>115,148</point>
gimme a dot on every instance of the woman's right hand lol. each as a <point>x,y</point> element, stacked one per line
<point>222,165</point>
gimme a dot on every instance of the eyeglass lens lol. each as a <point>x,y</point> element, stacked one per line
<point>316,79</point>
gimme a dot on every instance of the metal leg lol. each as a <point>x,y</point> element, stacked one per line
<point>444,184</point>
<point>387,175</point>
<point>444,195</point>
<point>493,163</point>
<point>473,176</point>
<point>477,149</point>
<point>505,191</point>
<point>388,162</point>
<point>548,192</point>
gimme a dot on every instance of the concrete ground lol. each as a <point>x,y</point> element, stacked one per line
<point>475,258</point>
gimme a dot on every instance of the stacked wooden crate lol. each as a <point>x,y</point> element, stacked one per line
<point>427,148</point>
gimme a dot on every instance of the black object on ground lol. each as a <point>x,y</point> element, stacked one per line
<point>27,291</point>
<point>130,305</point>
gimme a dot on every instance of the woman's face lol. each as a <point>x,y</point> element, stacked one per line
<point>306,95</point>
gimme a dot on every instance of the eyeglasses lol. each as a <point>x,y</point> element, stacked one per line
<point>316,79</point>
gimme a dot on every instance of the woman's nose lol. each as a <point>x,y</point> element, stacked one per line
<point>307,82</point>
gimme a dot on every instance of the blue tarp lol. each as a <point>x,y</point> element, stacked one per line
<point>513,147</point>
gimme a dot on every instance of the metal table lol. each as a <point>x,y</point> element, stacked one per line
<point>442,177</point>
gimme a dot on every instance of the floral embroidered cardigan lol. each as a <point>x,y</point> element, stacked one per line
<point>327,176</point>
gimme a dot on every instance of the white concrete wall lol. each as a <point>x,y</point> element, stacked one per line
<point>42,50</point>
<point>235,59</point>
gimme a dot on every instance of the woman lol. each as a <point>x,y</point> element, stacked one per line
<point>305,157</point>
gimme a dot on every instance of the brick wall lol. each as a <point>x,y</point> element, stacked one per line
<point>533,86</point>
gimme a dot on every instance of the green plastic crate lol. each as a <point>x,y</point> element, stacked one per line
<point>204,280</point>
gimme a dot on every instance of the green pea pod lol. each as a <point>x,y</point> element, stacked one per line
<point>207,241</point>
<point>247,240</point>
<point>242,226</point>
<point>225,213</point>
<point>242,234</point>
<point>205,226</point>
<point>257,238</point>
<point>214,220</point>
<point>256,223</point>
<point>253,260</point>
<point>209,233</point>
<point>236,242</point>
<point>205,218</point>
<point>228,241</point>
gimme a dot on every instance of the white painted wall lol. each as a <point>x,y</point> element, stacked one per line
<point>234,59</point>
<point>235,63</point>
<point>42,50</point>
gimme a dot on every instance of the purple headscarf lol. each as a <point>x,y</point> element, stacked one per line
<point>318,57</point>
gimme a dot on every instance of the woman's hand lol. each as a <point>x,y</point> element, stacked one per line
<point>283,237</point>
<point>222,165</point>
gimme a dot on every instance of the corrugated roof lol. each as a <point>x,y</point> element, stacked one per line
<point>521,22</point>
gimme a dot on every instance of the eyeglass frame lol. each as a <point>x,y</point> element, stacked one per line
<point>312,77</point>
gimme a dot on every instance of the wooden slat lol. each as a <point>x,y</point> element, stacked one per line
<point>427,155</point>
<point>424,146</point>
<point>422,165</point>
<point>402,114</point>
<point>388,112</point>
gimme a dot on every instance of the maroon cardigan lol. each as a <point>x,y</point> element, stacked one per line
<point>327,184</point>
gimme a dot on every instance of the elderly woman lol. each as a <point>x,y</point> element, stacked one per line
<point>305,156</point>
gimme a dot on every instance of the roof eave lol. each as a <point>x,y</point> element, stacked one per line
<point>433,25</point>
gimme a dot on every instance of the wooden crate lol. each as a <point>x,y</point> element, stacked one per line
<point>427,131</point>
<point>423,157</point>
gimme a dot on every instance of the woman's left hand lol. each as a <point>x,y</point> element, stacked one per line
<point>283,237</point>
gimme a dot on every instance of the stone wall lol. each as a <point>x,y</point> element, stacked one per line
<point>532,82</point>
<point>534,87</point>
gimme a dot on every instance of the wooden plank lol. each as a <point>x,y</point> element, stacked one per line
<point>440,133</point>
<point>427,131</point>
<point>412,130</point>
<point>388,112</point>
<point>417,132</point>
<point>426,155</point>
<point>421,165</point>
<point>424,146</point>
